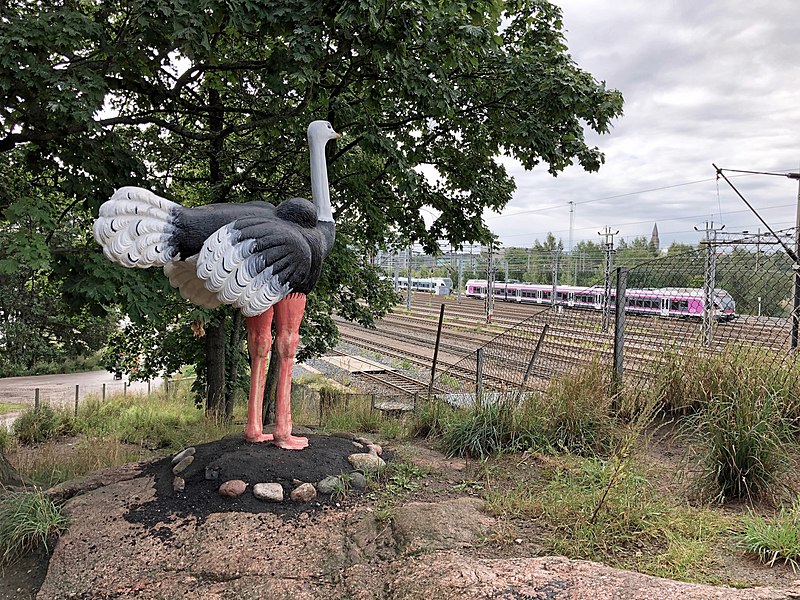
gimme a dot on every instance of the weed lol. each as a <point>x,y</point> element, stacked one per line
<point>6,439</point>
<point>432,418</point>
<point>28,520</point>
<point>576,412</point>
<point>776,539</point>
<point>483,430</point>
<point>744,445</point>
<point>40,424</point>
<point>342,487</point>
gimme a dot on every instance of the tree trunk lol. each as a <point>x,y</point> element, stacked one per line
<point>9,476</point>
<point>215,334</point>
<point>233,362</point>
<point>215,368</point>
<point>270,390</point>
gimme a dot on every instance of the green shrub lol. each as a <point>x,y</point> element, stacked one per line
<point>28,520</point>
<point>776,539</point>
<point>743,442</point>
<point>432,418</point>
<point>483,430</point>
<point>576,412</point>
<point>6,440</point>
<point>41,424</point>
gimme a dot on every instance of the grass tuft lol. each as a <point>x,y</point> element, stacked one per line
<point>28,521</point>
<point>774,540</point>
<point>42,424</point>
<point>743,444</point>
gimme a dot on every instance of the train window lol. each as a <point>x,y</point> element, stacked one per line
<point>680,304</point>
<point>546,295</point>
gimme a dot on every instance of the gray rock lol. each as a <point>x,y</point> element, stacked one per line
<point>358,445</point>
<point>366,463</point>
<point>303,493</point>
<point>375,448</point>
<point>345,435</point>
<point>269,492</point>
<point>178,484</point>
<point>212,473</point>
<point>364,441</point>
<point>358,481</point>
<point>233,488</point>
<point>329,484</point>
<point>182,465</point>
<point>183,454</point>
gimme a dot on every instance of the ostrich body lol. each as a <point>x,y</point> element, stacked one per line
<point>254,256</point>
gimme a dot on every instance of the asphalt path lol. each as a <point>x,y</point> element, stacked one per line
<point>59,390</point>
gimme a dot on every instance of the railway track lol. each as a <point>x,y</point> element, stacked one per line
<point>574,338</point>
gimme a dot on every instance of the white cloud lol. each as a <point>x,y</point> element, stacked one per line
<point>713,82</point>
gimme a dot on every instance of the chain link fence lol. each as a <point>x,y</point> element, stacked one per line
<point>731,293</point>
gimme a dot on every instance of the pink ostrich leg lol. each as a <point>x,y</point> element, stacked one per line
<point>259,339</point>
<point>288,315</point>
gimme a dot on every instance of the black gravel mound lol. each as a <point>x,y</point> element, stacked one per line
<point>253,463</point>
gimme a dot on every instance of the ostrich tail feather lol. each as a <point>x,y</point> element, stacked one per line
<point>135,228</point>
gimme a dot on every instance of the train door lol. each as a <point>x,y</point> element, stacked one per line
<point>665,307</point>
<point>598,301</point>
<point>571,299</point>
<point>518,294</point>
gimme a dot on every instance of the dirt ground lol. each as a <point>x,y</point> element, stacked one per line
<point>164,513</point>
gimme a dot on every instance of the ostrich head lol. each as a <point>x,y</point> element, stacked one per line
<point>321,131</point>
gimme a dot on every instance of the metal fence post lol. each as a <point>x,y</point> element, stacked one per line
<point>619,327</point>
<point>36,399</point>
<point>479,375</point>
<point>77,395</point>
<point>104,392</point>
<point>436,351</point>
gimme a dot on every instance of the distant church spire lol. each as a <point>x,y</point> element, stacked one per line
<point>654,242</point>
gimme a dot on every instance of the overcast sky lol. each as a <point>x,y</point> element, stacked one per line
<point>703,82</point>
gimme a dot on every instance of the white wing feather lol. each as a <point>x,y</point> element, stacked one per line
<point>225,264</point>
<point>134,228</point>
<point>183,276</point>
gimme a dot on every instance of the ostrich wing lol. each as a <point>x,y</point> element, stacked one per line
<point>254,262</point>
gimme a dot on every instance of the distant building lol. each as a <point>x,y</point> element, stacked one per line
<point>654,242</point>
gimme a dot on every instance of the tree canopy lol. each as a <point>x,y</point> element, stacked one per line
<point>207,101</point>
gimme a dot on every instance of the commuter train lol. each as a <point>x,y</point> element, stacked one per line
<point>438,286</point>
<point>663,302</point>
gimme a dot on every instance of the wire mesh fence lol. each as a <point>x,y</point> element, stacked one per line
<point>728,294</point>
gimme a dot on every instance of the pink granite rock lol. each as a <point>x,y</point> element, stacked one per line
<point>303,493</point>
<point>233,488</point>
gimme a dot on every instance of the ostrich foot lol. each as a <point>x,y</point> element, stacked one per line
<point>258,437</point>
<point>291,442</point>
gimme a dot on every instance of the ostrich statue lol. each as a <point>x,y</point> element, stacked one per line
<point>257,257</point>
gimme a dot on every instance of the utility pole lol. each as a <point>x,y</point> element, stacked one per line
<point>396,270</point>
<point>460,276</point>
<point>490,284</point>
<point>408,277</point>
<point>555,278</point>
<point>796,268</point>
<point>607,276</point>
<point>571,257</point>
<point>709,280</point>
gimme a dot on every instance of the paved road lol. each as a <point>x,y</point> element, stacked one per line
<point>59,390</point>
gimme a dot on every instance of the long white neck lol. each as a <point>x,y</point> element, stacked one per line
<point>320,192</point>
